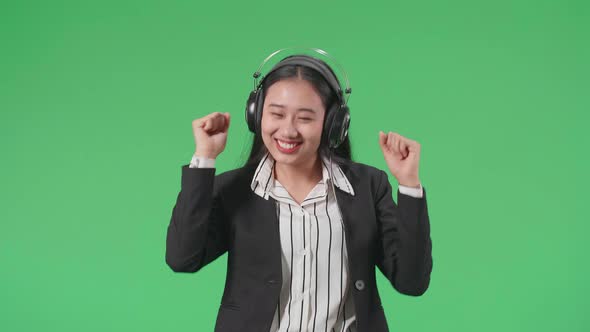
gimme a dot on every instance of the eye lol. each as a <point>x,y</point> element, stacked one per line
<point>306,119</point>
<point>276,114</point>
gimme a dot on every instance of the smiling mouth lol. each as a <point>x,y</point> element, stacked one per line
<point>287,147</point>
<point>286,144</point>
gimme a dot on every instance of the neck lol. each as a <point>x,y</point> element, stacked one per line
<point>310,172</point>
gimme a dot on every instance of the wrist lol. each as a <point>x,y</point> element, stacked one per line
<point>411,184</point>
<point>205,154</point>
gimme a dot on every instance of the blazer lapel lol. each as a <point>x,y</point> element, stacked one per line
<point>267,225</point>
<point>353,215</point>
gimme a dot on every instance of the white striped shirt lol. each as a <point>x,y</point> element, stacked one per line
<point>316,291</point>
<point>315,295</point>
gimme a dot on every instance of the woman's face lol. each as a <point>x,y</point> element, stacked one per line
<point>293,115</point>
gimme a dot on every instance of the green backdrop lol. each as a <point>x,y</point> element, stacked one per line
<point>96,104</point>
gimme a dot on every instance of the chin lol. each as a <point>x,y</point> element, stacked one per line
<point>284,159</point>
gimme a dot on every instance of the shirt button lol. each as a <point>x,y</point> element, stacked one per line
<point>301,296</point>
<point>303,252</point>
<point>359,284</point>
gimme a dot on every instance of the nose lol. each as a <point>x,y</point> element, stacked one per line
<point>288,130</point>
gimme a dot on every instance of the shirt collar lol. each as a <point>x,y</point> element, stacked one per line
<point>263,180</point>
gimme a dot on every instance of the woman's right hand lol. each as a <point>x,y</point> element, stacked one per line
<point>210,134</point>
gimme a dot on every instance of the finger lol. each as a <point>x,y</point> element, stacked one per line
<point>404,147</point>
<point>388,141</point>
<point>392,143</point>
<point>216,122</point>
<point>221,122</point>
<point>209,117</point>
<point>399,146</point>
<point>225,123</point>
<point>227,118</point>
<point>213,115</point>
<point>198,123</point>
<point>201,123</point>
<point>414,146</point>
<point>207,125</point>
<point>399,140</point>
<point>382,139</point>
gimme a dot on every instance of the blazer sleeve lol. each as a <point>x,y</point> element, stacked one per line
<point>197,234</point>
<point>405,246</point>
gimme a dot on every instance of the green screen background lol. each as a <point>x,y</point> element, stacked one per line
<point>96,104</point>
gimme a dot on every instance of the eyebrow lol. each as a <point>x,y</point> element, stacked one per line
<point>300,109</point>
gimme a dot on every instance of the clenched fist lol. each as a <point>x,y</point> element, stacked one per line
<point>402,156</point>
<point>210,134</point>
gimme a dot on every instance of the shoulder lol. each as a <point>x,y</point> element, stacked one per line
<point>365,169</point>
<point>364,176</point>
<point>361,170</point>
<point>235,178</point>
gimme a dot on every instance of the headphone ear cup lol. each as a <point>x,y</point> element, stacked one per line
<point>345,123</point>
<point>340,124</point>
<point>258,110</point>
<point>251,111</point>
<point>329,124</point>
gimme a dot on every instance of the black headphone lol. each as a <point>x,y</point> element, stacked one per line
<point>337,117</point>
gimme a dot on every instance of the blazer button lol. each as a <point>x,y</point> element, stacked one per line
<point>359,284</point>
<point>272,281</point>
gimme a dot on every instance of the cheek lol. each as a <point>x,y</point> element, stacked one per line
<point>316,132</point>
<point>267,130</point>
<point>267,127</point>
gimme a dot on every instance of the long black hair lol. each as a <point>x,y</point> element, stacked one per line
<point>328,96</point>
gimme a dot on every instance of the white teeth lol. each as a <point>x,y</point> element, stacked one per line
<point>285,145</point>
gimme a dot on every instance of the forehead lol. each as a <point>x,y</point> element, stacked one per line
<point>300,109</point>
<point>294,94</point>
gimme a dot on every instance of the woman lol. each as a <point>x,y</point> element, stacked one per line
<point>301,257</point>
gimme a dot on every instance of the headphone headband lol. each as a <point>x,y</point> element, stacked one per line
<point>347,90</point>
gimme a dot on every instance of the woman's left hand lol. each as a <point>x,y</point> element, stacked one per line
<point>402,156</point>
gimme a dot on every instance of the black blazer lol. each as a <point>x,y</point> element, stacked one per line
<point>218,213</point>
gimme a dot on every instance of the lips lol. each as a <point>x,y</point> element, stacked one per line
<point>287,146</point>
